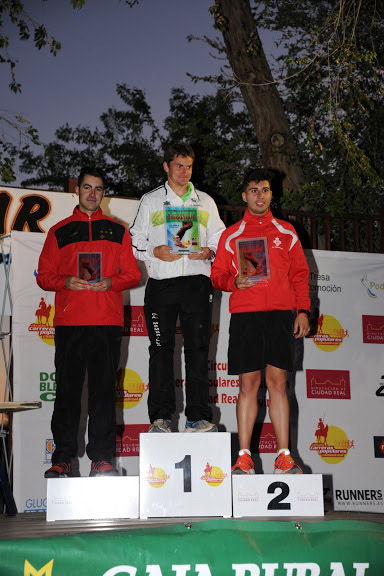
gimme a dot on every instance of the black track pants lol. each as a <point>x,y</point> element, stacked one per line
<point>81,349</point>
<point>190,298</point>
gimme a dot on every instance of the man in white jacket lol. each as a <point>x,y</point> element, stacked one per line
<point>179,285</point>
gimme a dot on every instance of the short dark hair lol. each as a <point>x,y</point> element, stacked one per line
<point>178,149</point>
<point>92,171</point>
<point>257,175</point>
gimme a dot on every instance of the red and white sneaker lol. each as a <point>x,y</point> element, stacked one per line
<point>285,464</point>
<point>59,470</point>
<point>103,468</point>
<point>244,464</point>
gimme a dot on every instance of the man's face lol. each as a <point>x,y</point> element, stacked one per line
<point>258,196</point>
<point>179,171</point>
<point>90,194</point>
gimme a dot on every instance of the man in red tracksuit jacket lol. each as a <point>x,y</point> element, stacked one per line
<point>87,260</point>
<point>273,282</point>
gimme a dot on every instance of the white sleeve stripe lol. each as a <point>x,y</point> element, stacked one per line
<point>286,231</point>
<point>232,236</point>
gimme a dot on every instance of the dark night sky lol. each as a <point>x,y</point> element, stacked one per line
<point>103,44</point>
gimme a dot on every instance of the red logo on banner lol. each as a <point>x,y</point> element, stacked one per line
<point>134,321</point>
<point>328,384</point>
<point>267,442</point>
<point>332,444</point>
<point>330,333</point>
<point>127,441</point>
<point>213,475</point>
<point>44,322</point>
<point>373,329</point>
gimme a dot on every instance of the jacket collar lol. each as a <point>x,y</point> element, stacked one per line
<point>256,219</point>
<point>170,192</point>
<point>83,216</point>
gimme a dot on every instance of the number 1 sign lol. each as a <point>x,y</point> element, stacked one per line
<point>184,475</point>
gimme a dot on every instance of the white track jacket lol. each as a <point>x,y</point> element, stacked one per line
<point>148,231</point>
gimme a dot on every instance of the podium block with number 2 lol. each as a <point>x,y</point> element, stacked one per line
<point>278,495</point>
<point>184,474</point>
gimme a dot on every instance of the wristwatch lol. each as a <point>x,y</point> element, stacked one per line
<point>303,311</point>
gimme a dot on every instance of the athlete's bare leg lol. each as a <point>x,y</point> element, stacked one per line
<point>276,381</point>
<point>246,409</point>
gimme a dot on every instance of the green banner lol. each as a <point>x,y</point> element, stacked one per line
<point>211,548</point>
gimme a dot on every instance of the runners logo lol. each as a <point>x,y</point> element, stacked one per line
<point>378,442</point>
<point>134,321</point>
<point>330,334</point>
<point>46,570</point>
<point>332,443</point>
<point>128,439</point>
<point>267,441</point>
<point>373,329</point>
<point>213,475</point>
<point>130,388</point>
<point>44,322</point>
<point>328,384</point>
<point>156,477</point>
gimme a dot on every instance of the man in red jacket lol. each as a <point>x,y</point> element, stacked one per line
<point>87,260</point>
<point>261,262</point>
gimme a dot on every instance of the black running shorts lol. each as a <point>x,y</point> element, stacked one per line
<point>260,338</point>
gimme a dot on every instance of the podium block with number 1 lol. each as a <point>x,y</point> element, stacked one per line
<point>185,474</point>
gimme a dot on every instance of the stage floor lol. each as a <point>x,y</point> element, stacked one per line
<point>34,525</point>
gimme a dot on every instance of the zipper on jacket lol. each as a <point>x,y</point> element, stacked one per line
<point>90,227</point>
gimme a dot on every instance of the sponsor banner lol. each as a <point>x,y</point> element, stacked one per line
<point>213,548</point>
<point>334,364</point>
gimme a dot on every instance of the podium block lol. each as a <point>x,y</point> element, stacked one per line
<point>277,495</point>
<point>184,475</point>
<point>97,498</point>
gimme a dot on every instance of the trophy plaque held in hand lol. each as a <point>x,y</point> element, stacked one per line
<point>182,229</point>
<point>89,266</point>
<point>253,259</point>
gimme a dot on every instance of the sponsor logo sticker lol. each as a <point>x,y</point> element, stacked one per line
<point>130,388</point>
<point>373,329</point>
<point>43,326</point>
<point>332,444</point>
<point>128,439</point>
<point>330,334</point>
<point>134,321</point>
<point>378,442</point>
<point>328,384</point>
<point>156,477</point>
<point>267,441</point>
<point>213,475</point>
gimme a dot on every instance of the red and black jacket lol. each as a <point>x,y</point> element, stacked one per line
<point>58,259</point>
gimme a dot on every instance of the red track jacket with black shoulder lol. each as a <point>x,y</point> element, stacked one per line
<point>59,259</point>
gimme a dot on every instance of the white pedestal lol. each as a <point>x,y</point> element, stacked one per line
<point>277,495</point>
<point>185,474</point>
<point>97,498</point>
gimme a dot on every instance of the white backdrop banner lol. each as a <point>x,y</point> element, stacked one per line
<point>336,392</point>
